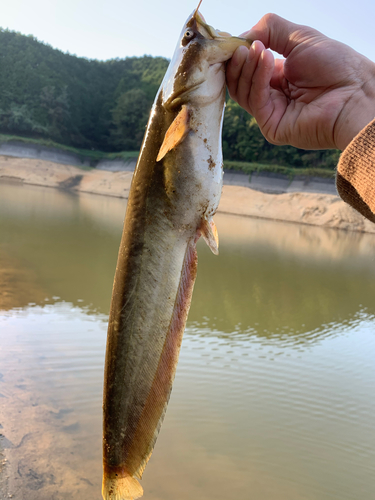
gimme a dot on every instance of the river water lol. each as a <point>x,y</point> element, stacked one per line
<point>274,392</point>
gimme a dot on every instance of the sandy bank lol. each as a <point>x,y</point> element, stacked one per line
<point>307,208</point>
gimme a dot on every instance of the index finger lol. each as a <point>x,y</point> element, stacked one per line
<point>278,34</point>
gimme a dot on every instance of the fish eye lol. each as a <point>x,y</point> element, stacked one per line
<point>189,34</point>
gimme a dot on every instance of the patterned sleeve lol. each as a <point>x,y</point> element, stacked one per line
<point>355,178</point>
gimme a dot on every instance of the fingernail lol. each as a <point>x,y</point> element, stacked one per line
<point>239,55</point>
<point>251,52</point>
<point>245,34</point>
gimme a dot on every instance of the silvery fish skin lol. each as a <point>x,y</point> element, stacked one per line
<point>175,192</point>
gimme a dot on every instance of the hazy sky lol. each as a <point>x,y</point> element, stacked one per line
<point>105,29</point>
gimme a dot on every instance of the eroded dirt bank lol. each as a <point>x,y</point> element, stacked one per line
<point>306,208</point>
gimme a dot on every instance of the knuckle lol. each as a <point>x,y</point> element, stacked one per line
<point>270,19</point>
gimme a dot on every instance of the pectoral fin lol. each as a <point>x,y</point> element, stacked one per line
<point>176,133</point>
<point>210,235</point>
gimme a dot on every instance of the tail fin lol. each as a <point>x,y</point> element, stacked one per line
<point>121,488</point>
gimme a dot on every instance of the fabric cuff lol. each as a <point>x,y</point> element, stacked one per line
<point>355,178</point>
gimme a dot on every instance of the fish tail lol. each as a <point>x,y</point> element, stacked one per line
<point>116,487</point>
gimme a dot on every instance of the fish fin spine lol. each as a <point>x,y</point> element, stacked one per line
<point>176,132</point>
<point>210,235</point>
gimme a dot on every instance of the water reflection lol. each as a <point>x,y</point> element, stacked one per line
<point>281,422</point>
<point>270,278</point>
<point>273,396</point>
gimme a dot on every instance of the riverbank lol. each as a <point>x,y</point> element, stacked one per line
<point>238,198</point>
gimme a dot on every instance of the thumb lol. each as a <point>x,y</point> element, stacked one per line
<point>278,34</point>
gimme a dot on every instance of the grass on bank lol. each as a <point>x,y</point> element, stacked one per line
<point>290,172</point>
<point>94,156</point>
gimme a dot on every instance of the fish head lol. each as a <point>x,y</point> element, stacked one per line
<point>196,73</point>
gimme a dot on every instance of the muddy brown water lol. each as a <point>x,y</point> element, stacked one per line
<point>274,392</point>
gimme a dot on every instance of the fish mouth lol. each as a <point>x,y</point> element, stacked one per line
<point>178,97</point>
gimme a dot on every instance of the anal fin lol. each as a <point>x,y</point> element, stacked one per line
<point>176,132</point>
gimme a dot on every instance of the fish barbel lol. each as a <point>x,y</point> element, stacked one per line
<point>174,194</point>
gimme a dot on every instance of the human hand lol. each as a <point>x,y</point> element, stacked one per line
<point>319,97</point>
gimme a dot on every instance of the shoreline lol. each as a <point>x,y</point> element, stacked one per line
<point>238,198</point>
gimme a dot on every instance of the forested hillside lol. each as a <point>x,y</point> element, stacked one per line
<point>79,102</point>
<point>92,104</point>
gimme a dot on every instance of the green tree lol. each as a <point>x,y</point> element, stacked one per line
<point>18,119</point>
<point>129,119</point>
<point>56,104</point>
<point>242,139</point>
